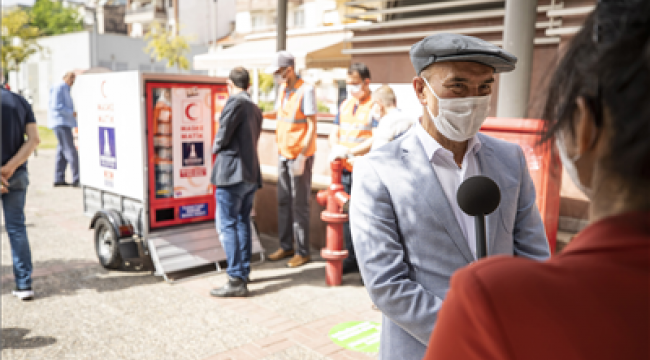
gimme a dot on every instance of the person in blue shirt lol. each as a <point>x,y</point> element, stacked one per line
<point>62,118</point>
<point>17,121</point>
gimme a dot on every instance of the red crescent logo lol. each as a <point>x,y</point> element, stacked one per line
<point>102,88</point>
<point>187,112</point>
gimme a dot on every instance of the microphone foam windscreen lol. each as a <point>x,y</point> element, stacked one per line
<point>478,195</point>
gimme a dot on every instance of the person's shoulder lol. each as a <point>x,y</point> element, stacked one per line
<point>16,97</point>
<point>398,117</point>
<point>391,150</point>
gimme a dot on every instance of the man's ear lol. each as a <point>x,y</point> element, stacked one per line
<point>418,87</point>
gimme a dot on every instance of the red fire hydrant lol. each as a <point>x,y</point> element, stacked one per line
<point>335,200</point>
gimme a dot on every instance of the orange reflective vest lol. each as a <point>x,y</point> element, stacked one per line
<point>291,126</point>
<point>355,124</point>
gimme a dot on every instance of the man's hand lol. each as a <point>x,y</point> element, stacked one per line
<point>6,173</point>
<point>339,152</point>
<point>74,114</point>
<point>4,184</point>
<point>271,115</point>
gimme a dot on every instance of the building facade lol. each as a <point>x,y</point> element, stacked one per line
<point>81,51</point>
<point>202,21</point>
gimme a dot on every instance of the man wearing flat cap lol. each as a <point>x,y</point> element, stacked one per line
<point>409,233</point>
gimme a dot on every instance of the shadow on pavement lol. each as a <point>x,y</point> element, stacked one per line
<point>308,275</point>
<point>68,277</point>
<point>15,338</point>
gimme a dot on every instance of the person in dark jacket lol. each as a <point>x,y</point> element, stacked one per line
<point>17,121</point>
<point>237,175</point>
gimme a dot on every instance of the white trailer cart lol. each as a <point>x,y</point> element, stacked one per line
<point>145,157</point>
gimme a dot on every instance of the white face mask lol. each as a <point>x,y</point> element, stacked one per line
<point>460,118</point>
<point>353,89</point>
<point>570,166</point>
<point>279,77</point>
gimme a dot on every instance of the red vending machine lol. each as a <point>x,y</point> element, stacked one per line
<point>146,161</point>
<point>182,121</point>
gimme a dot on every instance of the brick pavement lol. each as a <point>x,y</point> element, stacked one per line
<point>83,311</point>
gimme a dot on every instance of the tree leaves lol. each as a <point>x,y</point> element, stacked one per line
<point>52,18</point>
<point>18,39</point>
<point>165,45</point>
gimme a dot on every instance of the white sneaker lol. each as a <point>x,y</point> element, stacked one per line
<point>24,295</point>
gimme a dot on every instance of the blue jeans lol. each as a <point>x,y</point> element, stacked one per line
<point>13,207</point>
<point>233,216</point>
<point>66,154</point>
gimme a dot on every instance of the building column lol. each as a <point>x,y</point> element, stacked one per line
<point>281,35</point>
<point>518,39</point>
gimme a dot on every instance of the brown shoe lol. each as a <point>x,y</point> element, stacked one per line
<point>280,254</point>
<point>298,260</point>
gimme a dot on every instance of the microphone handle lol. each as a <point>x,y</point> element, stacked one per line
<point>481,242</point>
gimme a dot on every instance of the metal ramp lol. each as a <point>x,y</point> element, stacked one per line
<point>191,246</point>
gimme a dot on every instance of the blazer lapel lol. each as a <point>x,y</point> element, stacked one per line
<point>422,173</point>
<point>487,160</point>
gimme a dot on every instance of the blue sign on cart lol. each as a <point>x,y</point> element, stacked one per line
<point>192,211</point>
<point>107,156</point>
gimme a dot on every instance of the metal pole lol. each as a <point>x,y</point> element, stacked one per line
<point>518,39</point>
<point>282,25</point>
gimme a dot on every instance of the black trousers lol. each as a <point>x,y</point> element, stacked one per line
<point>351,260</point>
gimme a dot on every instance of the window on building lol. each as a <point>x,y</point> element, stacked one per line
<point>257,21</point>
<point>299,18</point>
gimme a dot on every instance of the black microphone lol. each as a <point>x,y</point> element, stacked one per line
<point>479,196</point>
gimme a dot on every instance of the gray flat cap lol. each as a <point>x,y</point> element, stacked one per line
<point>447,47</point>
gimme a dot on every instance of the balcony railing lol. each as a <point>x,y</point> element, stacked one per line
<point>145,14</point>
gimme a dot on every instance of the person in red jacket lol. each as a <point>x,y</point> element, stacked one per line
<point>592,301</point>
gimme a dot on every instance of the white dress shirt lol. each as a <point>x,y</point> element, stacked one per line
<point>451,176</point>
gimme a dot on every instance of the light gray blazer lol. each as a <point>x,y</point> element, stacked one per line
<point>408,241</point>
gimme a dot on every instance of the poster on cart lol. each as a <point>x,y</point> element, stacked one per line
<point>192,134</point>
<point>111,132</point>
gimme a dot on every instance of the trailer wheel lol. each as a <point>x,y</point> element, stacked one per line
<point>106,245</point>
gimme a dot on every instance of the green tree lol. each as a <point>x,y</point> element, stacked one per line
<point>266,83</point>
<point>52,18</point>
<point>163,44</point>
<point>18,40</point>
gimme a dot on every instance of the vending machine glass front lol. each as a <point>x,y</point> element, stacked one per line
<point>181,122</point>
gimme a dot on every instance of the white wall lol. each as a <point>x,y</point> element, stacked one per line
<point>74,52</point>
<point>243,23</point>
<point>61,53</point>
<point>126,53</point>
<point>204,20</point>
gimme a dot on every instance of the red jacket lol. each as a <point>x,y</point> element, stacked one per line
<point>592,301</point>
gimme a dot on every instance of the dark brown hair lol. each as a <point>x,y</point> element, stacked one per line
<point>608,63</point>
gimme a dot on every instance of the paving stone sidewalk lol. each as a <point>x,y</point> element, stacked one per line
<point>83,311</point>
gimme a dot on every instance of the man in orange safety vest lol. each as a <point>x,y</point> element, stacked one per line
<point>351,136</point>
<point>295,114</point>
